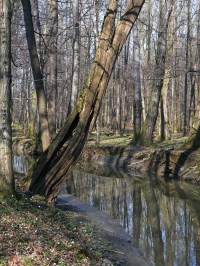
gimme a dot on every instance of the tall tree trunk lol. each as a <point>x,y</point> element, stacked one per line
<point>76,54</point>
<point>165,130</point>
<point>137,88</point>
<point>149,31</point>
<point>163,108</point>
<point>53,68</point>
<point>59,159</point>
<point>188,48</point>
<point>96,33</point>
<point>37,75</point>
<point>159,70</point>
<point>6,171</point>
<point>36,14</point>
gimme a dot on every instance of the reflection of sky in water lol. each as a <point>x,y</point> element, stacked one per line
<point>165,228</point>
<point>20,164</point>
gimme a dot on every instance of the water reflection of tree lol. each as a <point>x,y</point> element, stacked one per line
<point>166,228</point>
<point>137,213</point>
<point>153,216</point>
<point>167,212</point>
<point>21,164</point>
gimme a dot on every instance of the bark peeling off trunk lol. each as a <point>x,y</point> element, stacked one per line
<point>62,154</point>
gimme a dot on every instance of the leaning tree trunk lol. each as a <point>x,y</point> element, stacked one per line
<point>61,156</point>
<point>37,75</point>
<point>6,172</point>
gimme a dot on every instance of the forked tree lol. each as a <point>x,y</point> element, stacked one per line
<point>59,159</point>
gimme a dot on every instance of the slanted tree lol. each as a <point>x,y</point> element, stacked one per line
<point>59,159</point>
<point>6,171</point>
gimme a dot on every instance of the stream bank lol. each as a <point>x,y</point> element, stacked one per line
<point>164,162</point>
<point>120,248</point>
<point>171,161</point>
<point>115,249</point>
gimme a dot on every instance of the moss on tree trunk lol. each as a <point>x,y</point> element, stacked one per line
<point>58,160</point>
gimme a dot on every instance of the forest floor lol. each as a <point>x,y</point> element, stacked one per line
<point>33,233</point>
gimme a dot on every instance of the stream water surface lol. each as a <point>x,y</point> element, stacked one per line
<point>163,217</point>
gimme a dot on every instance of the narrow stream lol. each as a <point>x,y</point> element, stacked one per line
<point>163,218</point>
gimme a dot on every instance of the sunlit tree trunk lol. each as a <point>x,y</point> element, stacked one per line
<point>165,126</point>
<point>96,32</point>
<point>188,48</point>
<point>37,75</point>
<point>173,113</point>
<point>159,71</point>
<point>76,54</point>
<point>6,171</point>
<point>33,115</point>
<point>137,88</point>
<point>197,113</point>
<point>66,148</point>
<point>149,31</point>
<point>53,68</point>
<point>195,131</point>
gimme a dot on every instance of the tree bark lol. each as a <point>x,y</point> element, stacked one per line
<point>37,75</point>
<point>53,68</point>
<point>187,59</point>
<point>59,159</point>
<point>96,34</point>
<point>76,55</point>
<point>137,89</point>
<point>159,70</point>
<point>6,171</point>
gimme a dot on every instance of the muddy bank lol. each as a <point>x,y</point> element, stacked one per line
<point>120,245</point>
<point>169,163</point>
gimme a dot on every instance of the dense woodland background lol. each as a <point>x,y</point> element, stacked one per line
<point>154,90</point>
<point>153,94</point>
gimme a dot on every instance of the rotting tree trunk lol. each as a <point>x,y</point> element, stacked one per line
<point>37,75</point>
<point>59,159</point>
<point>6,171</point>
